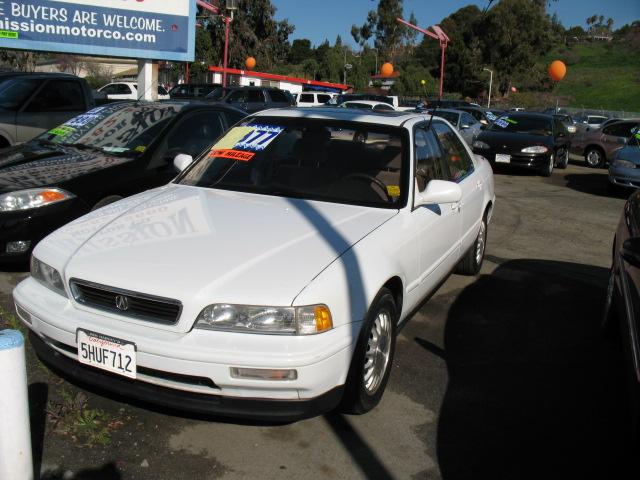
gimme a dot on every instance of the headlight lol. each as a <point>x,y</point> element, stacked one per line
<point>47,276</point>
<point>32,198</point>
<point>480,144</point>
<point>535,149</point>
<point>624,163</point>
<point>571,129</point>
<point>258,319</point>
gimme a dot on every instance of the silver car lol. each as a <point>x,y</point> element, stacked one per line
<point>624,169</point>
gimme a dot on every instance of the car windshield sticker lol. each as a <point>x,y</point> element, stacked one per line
<point>259,138</point>
<point>61,131</point>
<point>82,120</point>
<point>491,115</point>
<point>232,154</point>
<point>505,121</point>
<point>115,149</point>
<point>232,137</point>
<point>393,190</point>
<point>140,149</point>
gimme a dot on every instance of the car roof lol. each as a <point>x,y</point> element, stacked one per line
<point>373,103</point>
<point>7,75</point>
<point>521,114</point>
<point>390,118</point>
<point>448,110</point>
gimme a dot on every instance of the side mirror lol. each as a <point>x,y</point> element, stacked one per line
<point>465,126</point>
<point>438,191</point>
<point>182,161</point>
<point>631,251</point>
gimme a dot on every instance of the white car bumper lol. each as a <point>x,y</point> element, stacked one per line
<point>173,360</point>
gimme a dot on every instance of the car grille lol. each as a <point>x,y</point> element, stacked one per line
<point>150,308</point>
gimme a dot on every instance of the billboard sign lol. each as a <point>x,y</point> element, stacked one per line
<point>146,29</point>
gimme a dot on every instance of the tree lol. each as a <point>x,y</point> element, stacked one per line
<point>69,63</point>
<point>253,32</point>
<point>382,25</point>
<point>22,61</point>
<point>300,50</point>
<point>516,33</point>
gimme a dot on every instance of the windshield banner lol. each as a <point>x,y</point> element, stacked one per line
<point>149,29</point>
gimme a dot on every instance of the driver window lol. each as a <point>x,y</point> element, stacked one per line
<point>428,157</point>
<point>456,157</point>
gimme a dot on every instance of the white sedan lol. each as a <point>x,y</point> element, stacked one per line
<point>268,280</point>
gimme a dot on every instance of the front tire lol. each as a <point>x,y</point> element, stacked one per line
<point>371,363</point>
<point>471,263</point>
<point>547,170</point>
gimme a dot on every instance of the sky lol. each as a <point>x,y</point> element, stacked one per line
<point>327,19</point>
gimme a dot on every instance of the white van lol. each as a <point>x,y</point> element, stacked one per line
<point>313,99</point>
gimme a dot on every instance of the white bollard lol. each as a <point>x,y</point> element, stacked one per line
<point>15,438</point>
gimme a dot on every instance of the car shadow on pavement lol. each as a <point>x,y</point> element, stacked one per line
<point>108,471</point>
<point>534,391</point>
<point>38,398</point>
<point>596,184</point>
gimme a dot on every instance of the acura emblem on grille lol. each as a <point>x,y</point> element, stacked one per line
<point>122,303</point>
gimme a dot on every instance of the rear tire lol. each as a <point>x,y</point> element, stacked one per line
<point>373,357</point>
<point>594,157</point>
<point>471,263</point>
<point>563,161</point>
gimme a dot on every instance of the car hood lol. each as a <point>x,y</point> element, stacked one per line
<point>202,246</point>
<point>32,165</point>
<point>503,141</point>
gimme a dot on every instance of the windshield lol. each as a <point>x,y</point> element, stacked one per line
<point>523,124</point>
<point>118,128</point>
<point>343,162</point>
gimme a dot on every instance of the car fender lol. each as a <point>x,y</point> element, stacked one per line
<point>351,282</point>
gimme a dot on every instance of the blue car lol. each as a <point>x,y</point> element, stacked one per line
<point>624,170</point>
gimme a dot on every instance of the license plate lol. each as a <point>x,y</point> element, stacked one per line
<point>501,158</point>
<point>108,353</point>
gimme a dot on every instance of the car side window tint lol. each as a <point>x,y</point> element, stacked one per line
<point>383,107</point>
<point>123,89</point>
<point>256,96</point>
<point>278,96</point>
<point>428,158</point>
<point>324,98</point>
<point>456,157</point>
<point>239,96</point>
<point>13,96</point>
<point>622,129</point>
<point>109,89</point>
<point>58,96</point>
<point>467,119</point>
<point>193,134</point>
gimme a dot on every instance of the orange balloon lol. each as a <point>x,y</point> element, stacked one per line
<point>557,70</point>
<point>250,62</point>
<point>386,70</point>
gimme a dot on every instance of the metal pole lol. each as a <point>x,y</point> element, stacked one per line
<point>15,437</point>
<point>443,46</point>
<point>490,83</point>
<point>186,72</point>
<point>344,68</point>
<point>226,50</point>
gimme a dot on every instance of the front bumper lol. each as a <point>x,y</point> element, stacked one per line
<point>531,161</point>
<point>624,177</point>
<point>195,365</point>
<point>33,225</point>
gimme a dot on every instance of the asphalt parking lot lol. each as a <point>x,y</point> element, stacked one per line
<point>504,375</point>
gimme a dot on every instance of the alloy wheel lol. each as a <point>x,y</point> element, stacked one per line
<point>376,358</point>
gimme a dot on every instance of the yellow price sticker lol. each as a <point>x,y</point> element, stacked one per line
<point>140,148</point>
<point>393,190</point>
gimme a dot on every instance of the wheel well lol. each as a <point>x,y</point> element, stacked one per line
<point>4,142</point>
<point>395,287</point>
<point>489,210</point>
